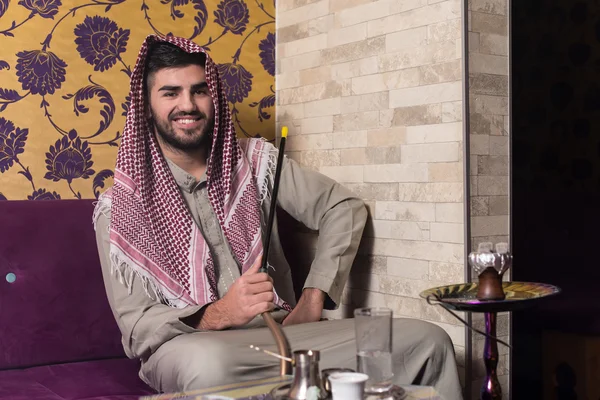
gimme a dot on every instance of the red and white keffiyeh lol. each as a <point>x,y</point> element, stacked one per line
<point>152,233</point>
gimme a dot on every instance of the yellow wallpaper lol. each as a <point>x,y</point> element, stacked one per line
<point>64,81</point>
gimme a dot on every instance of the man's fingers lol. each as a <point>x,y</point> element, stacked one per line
<point>256,291</point>
<point>265,297</point>
<point>262,307</point>
<point>253,300</point>
<point>257,278</point>
<point>261,287</point>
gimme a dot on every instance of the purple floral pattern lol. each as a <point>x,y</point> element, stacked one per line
<point>233,16</point>
<point>42,194</point>
<point>8,96</point>
<point>40,72</point>
<point>69,159</point>
<point>99,180</point>
<point>100,42</point>
<point>43,8</point>
<point>267,53</point>
<point>88,92</point>
<point>237,81</point>
<point>3,7</point>
<point>12,143</point>
<point>79,122</point>
<point>200,18</point>
<point>125,106</point>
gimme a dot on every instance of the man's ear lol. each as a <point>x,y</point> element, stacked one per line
<point>147,87</point>
<point>147,107</point>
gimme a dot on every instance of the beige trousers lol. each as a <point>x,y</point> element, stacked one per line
<point>422,354</point>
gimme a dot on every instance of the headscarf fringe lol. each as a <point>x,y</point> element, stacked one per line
<point>125,272</point>
<point>266,180</point>
<point>102,207</point>
<point>122,269</point>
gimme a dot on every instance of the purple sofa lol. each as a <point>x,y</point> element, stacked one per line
<point>58,337</point>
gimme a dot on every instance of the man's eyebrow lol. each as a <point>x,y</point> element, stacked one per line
<point>174,88</point>
<point>200,85</point>
<point>170,88</point>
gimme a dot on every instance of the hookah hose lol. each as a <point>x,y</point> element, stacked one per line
<point>283,345</point>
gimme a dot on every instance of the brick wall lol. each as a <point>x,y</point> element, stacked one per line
<point>489,151</point>
<point>488,90</point>
<point>372,93</point>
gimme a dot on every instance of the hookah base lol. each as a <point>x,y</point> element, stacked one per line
<point>490,285</point>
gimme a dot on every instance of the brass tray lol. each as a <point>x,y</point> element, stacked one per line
<point>462,297</point>
<point>396,393</point>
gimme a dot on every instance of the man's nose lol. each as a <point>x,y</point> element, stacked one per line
<point>187,103</point>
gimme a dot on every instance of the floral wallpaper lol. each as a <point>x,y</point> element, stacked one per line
<point>64,81</point>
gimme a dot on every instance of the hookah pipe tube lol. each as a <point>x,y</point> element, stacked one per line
<point>282,343</point>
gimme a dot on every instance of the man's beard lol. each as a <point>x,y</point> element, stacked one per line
<point>192,139</point>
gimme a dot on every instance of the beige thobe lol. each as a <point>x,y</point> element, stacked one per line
<point>176,356</point>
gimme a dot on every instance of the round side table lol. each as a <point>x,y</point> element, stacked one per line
<point>462,297</point>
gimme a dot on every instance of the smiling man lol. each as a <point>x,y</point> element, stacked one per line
<point>180,242</point>
<point>181,107</point>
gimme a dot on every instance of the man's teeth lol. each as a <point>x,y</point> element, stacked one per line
<point>186,121</point>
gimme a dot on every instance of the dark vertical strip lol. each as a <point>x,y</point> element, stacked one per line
<point>467,186</point>
<point>510,184</point>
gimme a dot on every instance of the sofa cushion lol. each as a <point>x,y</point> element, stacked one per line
<point>115,379</point>
<point>53,306</point>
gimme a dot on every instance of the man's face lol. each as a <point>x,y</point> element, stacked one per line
<point>181,107</point>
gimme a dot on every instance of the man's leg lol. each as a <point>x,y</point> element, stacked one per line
<point>207,359</point>
<point>423,354</point>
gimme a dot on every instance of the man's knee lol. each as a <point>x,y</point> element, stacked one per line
<point>430,337</point>
<point>425,353</point>
<point>188,362</point>
<point>437,336</point>
<point>206,364</point>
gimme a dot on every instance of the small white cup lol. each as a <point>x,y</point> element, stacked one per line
<point>348,385</point>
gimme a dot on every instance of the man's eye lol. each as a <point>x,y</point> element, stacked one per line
<point>170,94</point>
<point>202,91</point>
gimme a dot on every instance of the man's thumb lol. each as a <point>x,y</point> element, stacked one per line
<point>255,267</point>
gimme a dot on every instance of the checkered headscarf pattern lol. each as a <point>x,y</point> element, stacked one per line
<point>150,222</point>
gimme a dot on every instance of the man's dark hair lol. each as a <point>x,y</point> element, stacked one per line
<point>167,55</point>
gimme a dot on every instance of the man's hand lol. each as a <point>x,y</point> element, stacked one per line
<point>250,295</point>
<point>308,309</point>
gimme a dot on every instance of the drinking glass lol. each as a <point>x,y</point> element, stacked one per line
<point>374,347</point>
